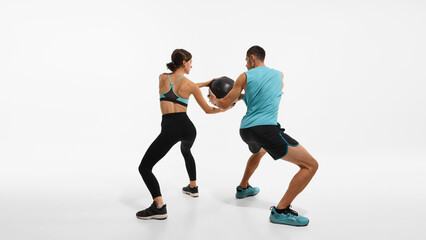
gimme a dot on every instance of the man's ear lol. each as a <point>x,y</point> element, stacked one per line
<point>252,57</point>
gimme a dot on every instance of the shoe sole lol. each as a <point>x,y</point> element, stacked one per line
<point>156,217</point>
<point>191,194</point>
<point>288,224</point>
<point>247,196</point>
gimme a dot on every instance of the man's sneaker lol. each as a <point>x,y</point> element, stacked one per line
<point>153,212</point>
<point>193,192</point>
<point>246,192</point>
<point>287,216</point>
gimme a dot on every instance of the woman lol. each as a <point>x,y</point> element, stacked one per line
<point>175,90</point>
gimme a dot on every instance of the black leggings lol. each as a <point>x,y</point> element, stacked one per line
<point>175,127</point>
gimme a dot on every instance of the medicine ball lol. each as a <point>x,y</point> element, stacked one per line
<point>221,86</point>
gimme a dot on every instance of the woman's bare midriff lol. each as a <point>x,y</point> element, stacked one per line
<point>171,107</point>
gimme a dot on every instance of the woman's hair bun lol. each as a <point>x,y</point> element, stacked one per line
<point>178,56</point>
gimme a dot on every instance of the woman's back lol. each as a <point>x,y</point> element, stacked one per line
<point>175,91</point>
<point>175,88</point>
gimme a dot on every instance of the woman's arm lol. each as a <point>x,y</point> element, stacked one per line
<point>204,84</point>
<point>202,102</point>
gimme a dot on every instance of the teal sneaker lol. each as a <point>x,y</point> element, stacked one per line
<point>288,217</point>
<point>246,192</point>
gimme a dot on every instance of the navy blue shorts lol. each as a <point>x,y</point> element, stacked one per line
<point>269,137</point>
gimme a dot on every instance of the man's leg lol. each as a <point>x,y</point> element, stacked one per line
<point>308,166</point>
<point>251,166</point>
<point>244,189</point>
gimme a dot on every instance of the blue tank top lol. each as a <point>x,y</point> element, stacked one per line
<point>262,97</point>
<point>171,96</point>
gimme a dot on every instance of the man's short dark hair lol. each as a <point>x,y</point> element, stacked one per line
<point>258,52</point>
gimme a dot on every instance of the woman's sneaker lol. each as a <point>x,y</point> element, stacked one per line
<point>287,216</point>
<point>246,192</point>
<point>193,192</point>
<point>153,212</point>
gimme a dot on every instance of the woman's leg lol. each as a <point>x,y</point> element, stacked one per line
<point>185,147</point>
<point>158,149</point>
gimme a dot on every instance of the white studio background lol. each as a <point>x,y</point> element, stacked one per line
<point>79,107</point>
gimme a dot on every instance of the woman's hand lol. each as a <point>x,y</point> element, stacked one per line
<point>205,84</point>
<point>212,98</point>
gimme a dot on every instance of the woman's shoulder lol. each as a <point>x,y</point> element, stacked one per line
<point>190,84</point>
<point>163,75</point>
<point>186,79</point>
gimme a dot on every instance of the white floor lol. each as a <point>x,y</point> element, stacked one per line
<point>356,198</point>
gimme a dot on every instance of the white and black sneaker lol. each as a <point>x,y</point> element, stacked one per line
<point>193,192</point>
<point>153,212</point>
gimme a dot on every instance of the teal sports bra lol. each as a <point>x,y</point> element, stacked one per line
<point>171,96</point>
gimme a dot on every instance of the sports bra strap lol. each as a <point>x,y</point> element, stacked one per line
<point>170,81</point>
<point>178,79</point>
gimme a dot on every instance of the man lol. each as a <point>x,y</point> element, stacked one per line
<point>260,130</point>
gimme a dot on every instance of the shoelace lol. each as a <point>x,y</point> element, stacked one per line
<point>288,211</point>
<point>291,211</point>
<point>243,189</point>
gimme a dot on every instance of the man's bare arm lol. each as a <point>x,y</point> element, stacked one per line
<point>233,95</point>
